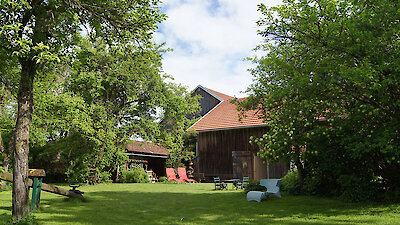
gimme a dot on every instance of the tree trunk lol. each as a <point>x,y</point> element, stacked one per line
<point>2,149</point>
<point>117,176</point>
<point>20,198</point>
<point>1,113</point>
<point>300,170</point>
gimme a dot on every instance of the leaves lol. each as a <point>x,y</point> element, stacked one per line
<point>108,95</point>
<point>328,72</point>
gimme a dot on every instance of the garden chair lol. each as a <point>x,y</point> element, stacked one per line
<point>273,188</point>
<point>219,185</point>
<point>92,177</point>
<point>183,176</point>
<point>152,176</point>
<point>171,175</point>
<point>243,183</point>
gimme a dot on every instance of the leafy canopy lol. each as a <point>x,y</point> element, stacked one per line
<point>330,70</point>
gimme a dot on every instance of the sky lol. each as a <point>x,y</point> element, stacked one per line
<point>210,41</point>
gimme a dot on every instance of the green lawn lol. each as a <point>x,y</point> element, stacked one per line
<point>197,204</point>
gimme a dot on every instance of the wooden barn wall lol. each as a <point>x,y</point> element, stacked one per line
<point>207,102</point>
<point>215,148</point>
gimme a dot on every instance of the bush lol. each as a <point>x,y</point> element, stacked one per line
<point>290,183</point>
<point>104,177</point>
<point>163,179</point>
<point>8,186</point>
<point>134,175</point>
<point>254,185</point>
<point>391,195</point>
<point>29,220</point>
<point>356,189</point>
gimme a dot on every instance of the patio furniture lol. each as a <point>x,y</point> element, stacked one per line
<point>243,183</point>
<point>273,188</point>
<point>219,185</point>
<point>171,175</point>
<point>235,182</point>
<point>183,176</point>
<point>92,177</point>
<point>152,176</point>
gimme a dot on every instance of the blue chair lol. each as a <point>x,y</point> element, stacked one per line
<point>273,188</point>
<point>242,184</point>
<point>219,185</point>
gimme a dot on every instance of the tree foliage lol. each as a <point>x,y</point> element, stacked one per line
<point>35,32</point>
<point>109,95</point>
<point>329,82</point>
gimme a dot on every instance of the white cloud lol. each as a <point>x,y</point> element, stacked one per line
<point>210,39</point>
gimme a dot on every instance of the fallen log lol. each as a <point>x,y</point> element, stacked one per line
<point>45,187</point>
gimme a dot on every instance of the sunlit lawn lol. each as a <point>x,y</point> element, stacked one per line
<point>196,204</point>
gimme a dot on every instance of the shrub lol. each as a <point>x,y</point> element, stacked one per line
<point>254,185</point>
<point>7,187</point>
<point>104,177</point>
<point>391,195</point>
<point>314,185</point>
<point>163,179</point>
<point>134,175</point>
<point>29,220</point>
<point>126,176</point>
<point>290,183</point>
<point>356,189</point>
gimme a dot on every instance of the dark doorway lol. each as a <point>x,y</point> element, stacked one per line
<point>241,162</point>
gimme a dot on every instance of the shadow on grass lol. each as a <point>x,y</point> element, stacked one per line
<point>197,208</point>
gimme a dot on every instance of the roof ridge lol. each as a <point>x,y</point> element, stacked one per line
<point>205,115</point>
<point>225,116</point>
<point>220,95</point>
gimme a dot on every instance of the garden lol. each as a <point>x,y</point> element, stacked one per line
<point>81,79</point>
<point>165,203</point>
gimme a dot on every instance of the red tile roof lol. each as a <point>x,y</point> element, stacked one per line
<point>146,147</point>
<point>225,116</point>
<point>220,95</point>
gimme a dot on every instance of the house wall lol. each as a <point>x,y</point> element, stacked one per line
<point>214,155</point>
<point>215,150</point>
<point>264,170</point>
<point>157,165</point>
<point>261,169</point>
<point>277,170</point>
<point>207,102</point>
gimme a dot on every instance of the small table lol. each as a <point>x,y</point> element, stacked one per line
<point>233,181</point>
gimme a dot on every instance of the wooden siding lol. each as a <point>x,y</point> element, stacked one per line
<point>278,170</point>
<point>214,150</point>
<point>207,102</point>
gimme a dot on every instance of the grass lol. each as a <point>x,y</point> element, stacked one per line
<point>196,204</point>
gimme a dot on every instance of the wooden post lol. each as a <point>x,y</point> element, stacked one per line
<point>45,187</point>
<point>36,189</point>
<point>37,175</point>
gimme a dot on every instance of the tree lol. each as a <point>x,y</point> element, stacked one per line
<point>326,60</point>
<point>38,31</point>
<point>8,92</point>
<point>125,94</point>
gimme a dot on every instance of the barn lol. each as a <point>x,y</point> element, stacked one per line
<point>223,147</point>
<point>148,155</point>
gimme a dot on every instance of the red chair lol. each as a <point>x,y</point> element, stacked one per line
<point>183,176</point>
<point>171,175</point>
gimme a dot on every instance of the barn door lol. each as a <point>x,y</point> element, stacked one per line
<point>241,162</point>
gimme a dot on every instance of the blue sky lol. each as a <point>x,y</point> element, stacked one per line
<point>211,39</point>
